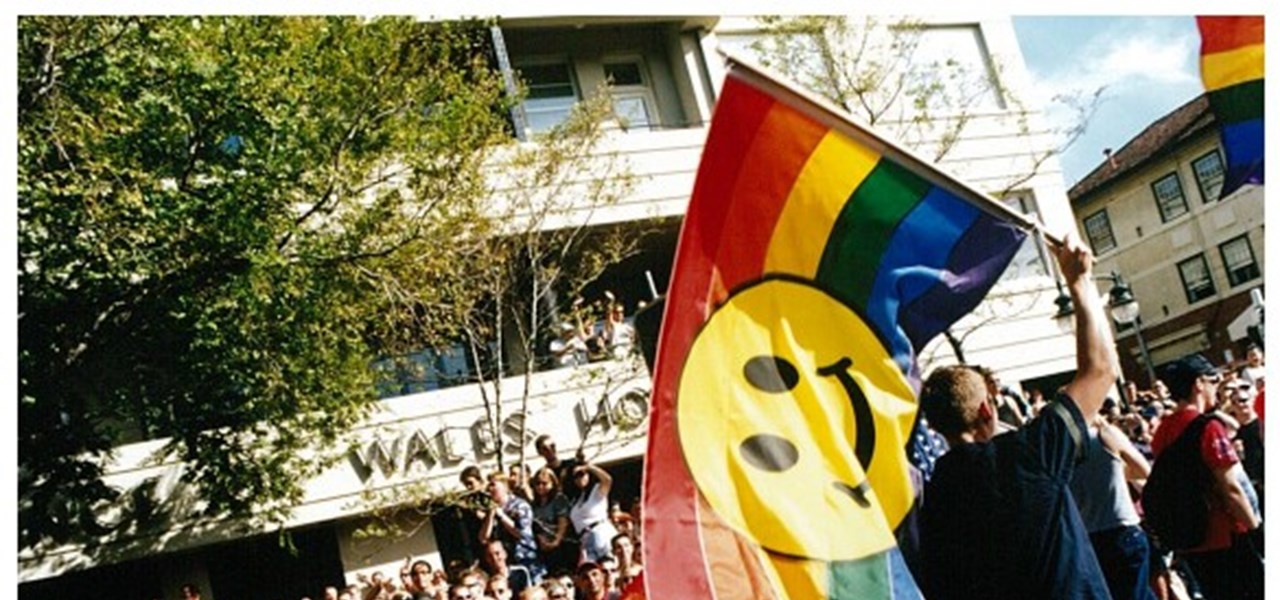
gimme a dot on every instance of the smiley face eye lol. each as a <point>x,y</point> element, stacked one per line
<point>772,374</point>
<point>769,452</point>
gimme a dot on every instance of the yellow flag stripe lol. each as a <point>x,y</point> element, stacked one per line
<point>835,169</point>
<point>1223,69</point>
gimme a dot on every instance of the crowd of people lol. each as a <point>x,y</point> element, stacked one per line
<point>1036,498</point>
<point>1023,497</point>
<point>548,535</point>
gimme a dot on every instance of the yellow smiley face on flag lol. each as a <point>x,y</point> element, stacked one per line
<point>793,420</point>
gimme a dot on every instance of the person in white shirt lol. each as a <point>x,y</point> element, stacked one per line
<point>619,335</point>
<point>570,349</point>
<point>589,511</point>
<point>1254,369</point>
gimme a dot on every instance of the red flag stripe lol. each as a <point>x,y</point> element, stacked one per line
<point>685,310</point>
<point>781,147</point>
<point>1221,34</point>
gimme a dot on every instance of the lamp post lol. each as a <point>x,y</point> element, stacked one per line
<point>1124,309</point>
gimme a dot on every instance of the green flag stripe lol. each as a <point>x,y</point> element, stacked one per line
<point>864,579</point>
<point>1238,103</point>
<point>862,231</point>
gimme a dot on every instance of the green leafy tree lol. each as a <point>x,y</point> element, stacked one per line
<point>222,223</point>
<point>515,285</point>
<point>521,282</point>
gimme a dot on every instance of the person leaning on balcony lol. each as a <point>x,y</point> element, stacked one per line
<point>570,349</point>
<point>997,518</point>
<point>618,335</point>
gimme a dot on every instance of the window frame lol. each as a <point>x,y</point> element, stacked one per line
<point>642,91</point>
<point>1093,243</point>
<point>1031,260</point>
<point>544,61</point>
<point>1182,194</point>
<point>982,72</point>
<point>1222,175</point>
<point>1192,293</point>
<point>1253,261</point>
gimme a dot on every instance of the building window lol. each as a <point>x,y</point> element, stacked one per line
<point>1169,197</point>
<point>1030,261</point>
<point>938,69</point>
<point>953,62</point>
<point>1237,257</point>
<point>1195,279</point>
<point>1209,176</point>
<point>552,94</point>
<point>1098,227</point>
<point>632,95</point>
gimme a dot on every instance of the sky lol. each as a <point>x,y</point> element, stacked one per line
<point>1145,67</point>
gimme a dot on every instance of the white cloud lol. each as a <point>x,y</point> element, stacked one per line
<point>1160,60</point>
<point>1124,61</point>
<point>1134,61</point>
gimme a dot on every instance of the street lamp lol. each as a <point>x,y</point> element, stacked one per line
<point>1124,309</point>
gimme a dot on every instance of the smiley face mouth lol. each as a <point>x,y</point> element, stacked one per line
<point>858,492</point>
<point>863,418</point>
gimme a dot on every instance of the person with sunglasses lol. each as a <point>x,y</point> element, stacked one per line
<point>589,510</point>
<point>1226,565</point>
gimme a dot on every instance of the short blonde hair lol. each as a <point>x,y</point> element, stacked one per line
<point>951,397</point>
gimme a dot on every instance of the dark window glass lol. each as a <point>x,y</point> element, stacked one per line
<point>1196,280</point>
<point>1208,170</point>
<point>1237,257</point>
<point>1169,197</point>
<point>627,73</point>
<point>552,94</point>
<point>1098,227</point>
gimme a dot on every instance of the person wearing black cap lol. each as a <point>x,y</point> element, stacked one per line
<point>1226,565</point>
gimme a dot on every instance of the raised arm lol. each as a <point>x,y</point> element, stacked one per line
<point>1136,467</point>
<point>486,528</point>
<point>606,480</point>
<point>1095,370</point>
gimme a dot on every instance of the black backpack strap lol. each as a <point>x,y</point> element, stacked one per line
<point>1073,430</point>
<point>1195,429</point>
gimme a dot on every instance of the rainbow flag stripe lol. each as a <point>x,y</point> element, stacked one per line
<point>780,193</point>
<point>1231,65</point>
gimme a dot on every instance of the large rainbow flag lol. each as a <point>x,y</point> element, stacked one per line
<point>814,261</point>
<point>1231,65</point>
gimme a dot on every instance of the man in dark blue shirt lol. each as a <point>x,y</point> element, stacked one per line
<point>998,520</point>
